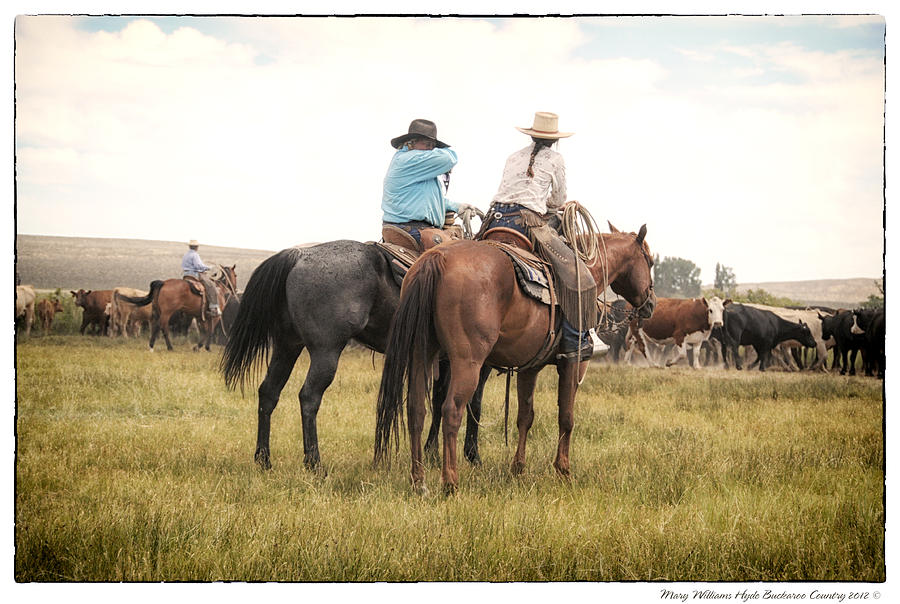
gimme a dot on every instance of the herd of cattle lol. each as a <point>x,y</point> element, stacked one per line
<point>713,328</point>
<point>104,312</point>
<point>701,330</point>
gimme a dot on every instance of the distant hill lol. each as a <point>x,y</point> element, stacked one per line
<point>834,293</point>
<point>71,263</point>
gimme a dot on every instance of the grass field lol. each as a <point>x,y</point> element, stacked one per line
<point>137,466</point>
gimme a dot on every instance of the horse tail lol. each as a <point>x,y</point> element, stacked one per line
<point>257,318</point>
<point>412,335</point>
<point>145,300</point>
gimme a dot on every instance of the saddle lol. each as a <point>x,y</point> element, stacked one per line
<point>404,250</point>
<point>198,289</point>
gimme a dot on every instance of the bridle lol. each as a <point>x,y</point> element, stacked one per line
<point>225,280</point>
<point>632,313</point>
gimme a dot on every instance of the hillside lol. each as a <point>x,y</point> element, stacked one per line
<point>70,263</point>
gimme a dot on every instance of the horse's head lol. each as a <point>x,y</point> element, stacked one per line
<point>228,277</point>
<point>633,277</point>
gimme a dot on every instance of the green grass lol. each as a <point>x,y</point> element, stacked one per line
<point>138,466</point>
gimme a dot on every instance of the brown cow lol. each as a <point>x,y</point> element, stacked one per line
<point>25,296</point>
<point>46,309</point>
<point>679,322</point>
<point>94,305</point>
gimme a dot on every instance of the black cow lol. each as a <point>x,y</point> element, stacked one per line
<point>848,338</point>
<point>871,321</point>
<point>614,335</point>
<point>762,329</point>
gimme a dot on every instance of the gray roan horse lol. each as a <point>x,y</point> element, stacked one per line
<point>318,298</point>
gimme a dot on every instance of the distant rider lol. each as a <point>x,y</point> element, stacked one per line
<point>192,266</point>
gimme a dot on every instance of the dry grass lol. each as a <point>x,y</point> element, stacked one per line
<point>138,467</point>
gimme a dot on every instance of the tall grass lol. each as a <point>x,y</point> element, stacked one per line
<point>138,466</point>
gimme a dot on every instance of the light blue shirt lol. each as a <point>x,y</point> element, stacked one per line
<point>192,265</point>
<point>412,190</point>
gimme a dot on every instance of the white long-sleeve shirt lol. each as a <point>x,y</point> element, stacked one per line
<point>545,191</point>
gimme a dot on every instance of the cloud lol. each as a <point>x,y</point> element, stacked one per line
<point>275,131</point>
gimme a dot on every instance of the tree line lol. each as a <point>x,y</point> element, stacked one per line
<point>680,278</point>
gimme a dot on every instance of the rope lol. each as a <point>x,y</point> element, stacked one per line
<point>580,229</point>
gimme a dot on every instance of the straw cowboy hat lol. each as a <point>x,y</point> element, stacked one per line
<point>545,126</point>
<point>193,243</point>
<point>419,128</point>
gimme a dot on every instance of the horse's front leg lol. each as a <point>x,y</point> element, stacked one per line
<point>570,374</point>
<point>473,418</point>
<point>438,394</point>
<point>525,383</point>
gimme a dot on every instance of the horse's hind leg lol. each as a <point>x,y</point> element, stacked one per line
<point>280,367</point>
<point>463,381</point>
<point>322,367</point>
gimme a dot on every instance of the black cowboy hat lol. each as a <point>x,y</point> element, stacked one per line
<point>419,128</point>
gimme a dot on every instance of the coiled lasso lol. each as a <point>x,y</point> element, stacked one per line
<point>579,228</point>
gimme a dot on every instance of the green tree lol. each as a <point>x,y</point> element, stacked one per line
<point>676,277</point>
<point>725,280</point>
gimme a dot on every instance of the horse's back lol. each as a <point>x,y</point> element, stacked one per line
<point>341,289</point>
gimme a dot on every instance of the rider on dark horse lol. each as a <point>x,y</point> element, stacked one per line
<point>531,191</point>
<point>192,266</point>
<point>415,186</point>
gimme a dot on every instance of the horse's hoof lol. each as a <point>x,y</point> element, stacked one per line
<point>449,489</point>
<point>517,468</point>
<point>420,489</point>
<point>262,460</point>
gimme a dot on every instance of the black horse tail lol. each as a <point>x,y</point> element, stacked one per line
<point>257,318</point>
<point>412,335</point>
<point>144,301</point>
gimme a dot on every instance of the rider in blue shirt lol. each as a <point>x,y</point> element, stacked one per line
<point>414,196</point>
<point>192,266</point>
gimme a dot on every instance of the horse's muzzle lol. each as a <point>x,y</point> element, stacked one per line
<point>646,309</point>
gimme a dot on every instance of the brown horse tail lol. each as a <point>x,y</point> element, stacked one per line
<point>411,337</point>
<point>144,301</point>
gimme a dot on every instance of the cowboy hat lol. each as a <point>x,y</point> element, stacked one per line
<point>193,243</point>
<point>419,128</point>
<point>545,126</point>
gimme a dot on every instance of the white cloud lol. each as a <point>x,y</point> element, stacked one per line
<point>186,135</point>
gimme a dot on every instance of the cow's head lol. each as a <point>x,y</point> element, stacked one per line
<point>79,296</point>
<point>715,309</point>
<point>806,338</point>
<point>57,305</point>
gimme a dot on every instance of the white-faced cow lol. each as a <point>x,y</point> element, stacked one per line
<point>677,324</point>
<point>762,329</point>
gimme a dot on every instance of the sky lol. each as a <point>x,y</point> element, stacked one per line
<point>756,142</point>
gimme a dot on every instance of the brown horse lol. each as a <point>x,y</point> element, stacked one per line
<point>173,295</point>
<point>462,298</point>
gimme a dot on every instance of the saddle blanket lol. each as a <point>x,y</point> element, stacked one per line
<point>531,272</point>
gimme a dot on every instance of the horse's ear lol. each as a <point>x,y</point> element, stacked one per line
<point>641,234</point>
<point>612,229</point>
